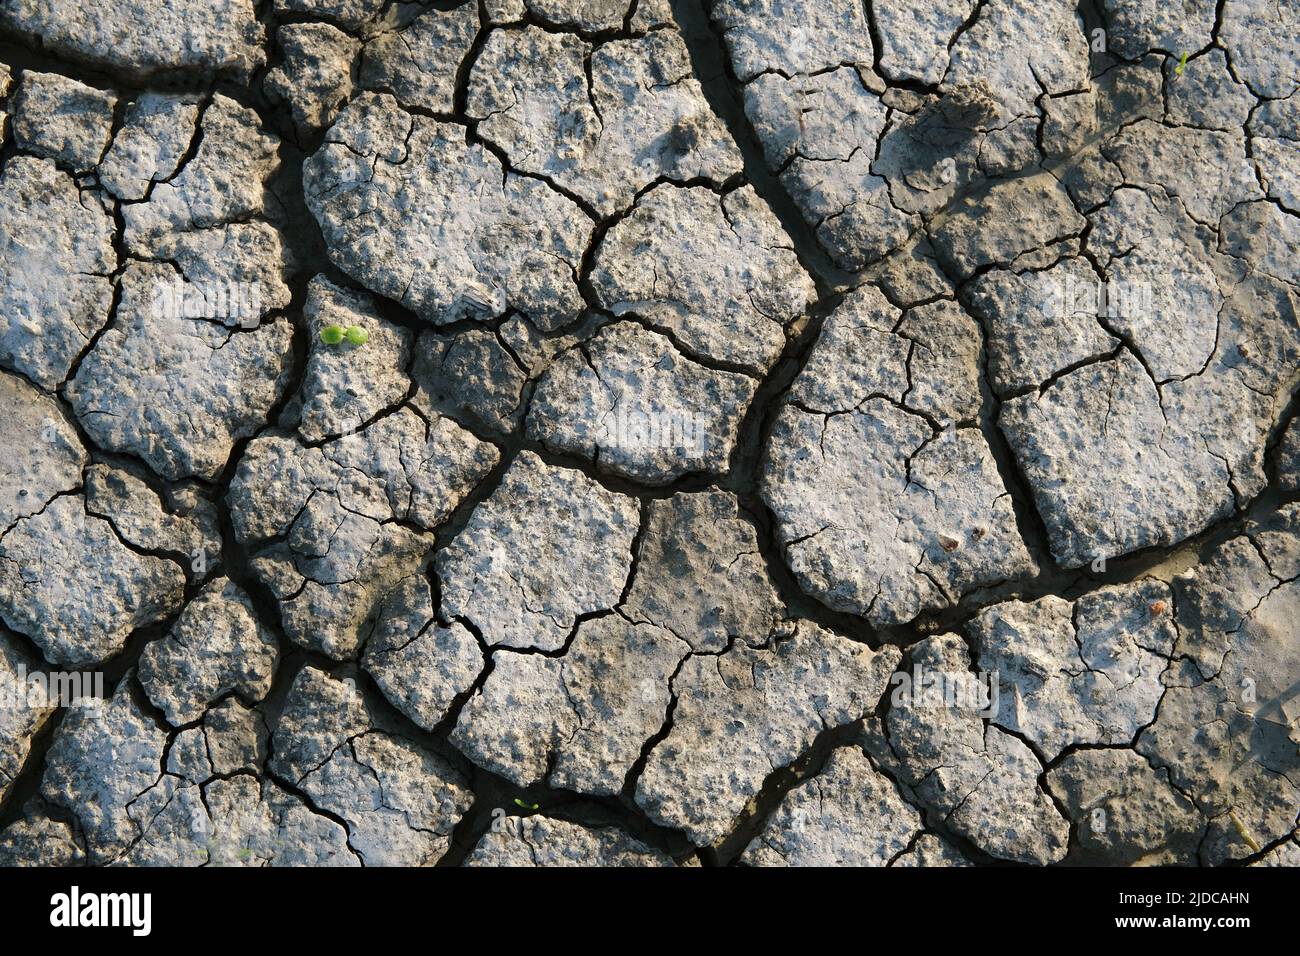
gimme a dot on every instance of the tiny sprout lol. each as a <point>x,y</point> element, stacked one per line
<point>331,334</point>
<point>357,335</point>
<point>1182,65</point>
<point>527,806</point>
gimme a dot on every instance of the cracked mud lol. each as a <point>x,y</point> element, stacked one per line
<point>649,433</point>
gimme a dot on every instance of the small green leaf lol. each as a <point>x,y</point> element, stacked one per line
<point>357,335</point>
<point>1182,65</point>
<point>527,806</point>
<point>331,334</point>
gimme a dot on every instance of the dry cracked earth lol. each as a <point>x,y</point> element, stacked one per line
<point>538,432</point>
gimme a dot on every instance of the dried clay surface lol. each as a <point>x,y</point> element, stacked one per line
<point>649,433</point>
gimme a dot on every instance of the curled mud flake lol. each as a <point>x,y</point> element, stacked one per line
<point>147,38</point>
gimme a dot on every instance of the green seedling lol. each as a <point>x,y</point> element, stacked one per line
<point>527,806</point>
<point>353,334</point>
<point>1182,65</point>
